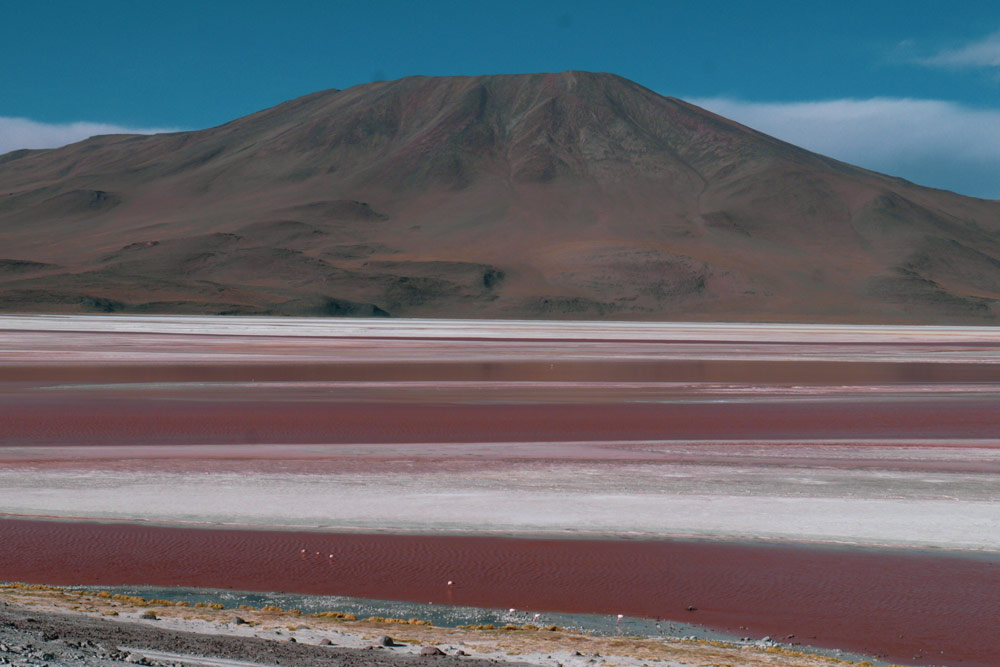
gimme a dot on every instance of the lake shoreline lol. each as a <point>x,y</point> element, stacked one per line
<point>271,634</point>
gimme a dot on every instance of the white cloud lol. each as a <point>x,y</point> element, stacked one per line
<point>17,133</point>
<point>982,53</point>
<point>932,142</point>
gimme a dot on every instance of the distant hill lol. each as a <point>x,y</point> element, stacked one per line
<point>571,195</point>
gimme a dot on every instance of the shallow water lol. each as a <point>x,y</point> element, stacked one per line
<point>908,606</point>
<point>441,615</point>
<point>451,616</point>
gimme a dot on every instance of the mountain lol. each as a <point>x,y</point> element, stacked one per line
<point>571,195</point>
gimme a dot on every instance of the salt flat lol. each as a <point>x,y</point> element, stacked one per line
<point>492,329</point>
<point>810,498</point>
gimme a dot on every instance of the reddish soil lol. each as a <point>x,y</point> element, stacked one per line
<point>910,607</point>
<point>574,195</point>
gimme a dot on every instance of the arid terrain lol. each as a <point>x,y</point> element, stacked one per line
<point>99,629</point>
<point>832,486</point>
<point>551,196</point>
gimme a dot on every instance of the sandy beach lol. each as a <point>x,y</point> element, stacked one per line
<point>834,483</point>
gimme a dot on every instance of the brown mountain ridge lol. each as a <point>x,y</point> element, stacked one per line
<point>570,195</point>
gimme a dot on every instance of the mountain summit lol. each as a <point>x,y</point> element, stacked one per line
<point>570,195</point>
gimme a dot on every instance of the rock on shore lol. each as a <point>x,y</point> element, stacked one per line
<point>34,637</point>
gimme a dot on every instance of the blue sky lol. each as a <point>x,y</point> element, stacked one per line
<point>907,87</point>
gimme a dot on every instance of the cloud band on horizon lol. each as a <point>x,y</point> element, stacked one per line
<point>20,133</point>
<point>935,143</point>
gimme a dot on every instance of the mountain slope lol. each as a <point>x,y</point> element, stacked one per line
<point>545,195</point>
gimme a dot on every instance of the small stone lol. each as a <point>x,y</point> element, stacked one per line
<point>692,608</point>
<point>324,642</point>
<point>460,652</point>
<point>149,616</point>
<point>431,650</point>
<point>386,640</point>
<point>135,658</point>
<point>239,621</point>
<point>293,640</point>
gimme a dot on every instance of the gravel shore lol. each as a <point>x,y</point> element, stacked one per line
<point>35,637</point>
<point>46,625</point>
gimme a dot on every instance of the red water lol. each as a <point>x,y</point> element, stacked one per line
<point>78,420</point>
<point>909,607</point>
<point>549,369</point>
